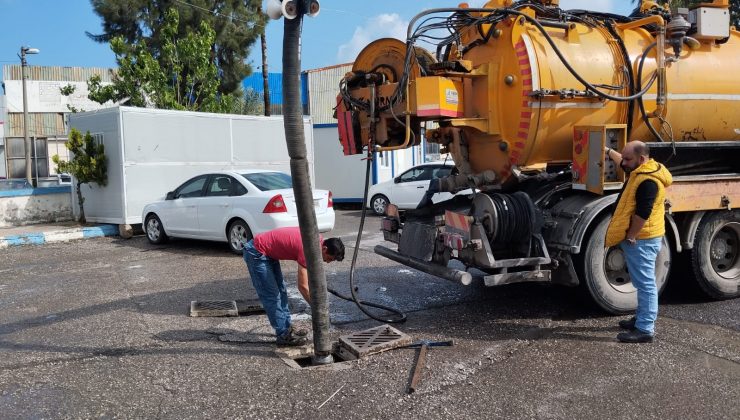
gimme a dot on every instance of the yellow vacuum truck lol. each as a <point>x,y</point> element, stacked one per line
<point>525,97</point>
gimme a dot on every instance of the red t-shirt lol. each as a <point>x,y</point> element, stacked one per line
<point>282,244</point>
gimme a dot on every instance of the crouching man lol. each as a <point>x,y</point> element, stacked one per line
<point>263,255</point>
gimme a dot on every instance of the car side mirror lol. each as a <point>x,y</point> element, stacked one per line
<point>170,195</point>
<point>396,180</point>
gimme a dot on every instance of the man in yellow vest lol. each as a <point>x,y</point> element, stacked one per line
<point>638,226</point>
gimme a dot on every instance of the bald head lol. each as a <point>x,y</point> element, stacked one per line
<point>634,154</point>
<point>638,148</point>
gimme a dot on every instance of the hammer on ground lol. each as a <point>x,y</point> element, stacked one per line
<point>421,357</point>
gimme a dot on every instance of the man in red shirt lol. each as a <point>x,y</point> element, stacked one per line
<point>262,256</point>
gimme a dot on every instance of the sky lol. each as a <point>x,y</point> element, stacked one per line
<point>57,28</point>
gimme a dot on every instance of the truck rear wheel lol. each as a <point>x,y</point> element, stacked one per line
<point>605,275</point>
<point>715,257</point>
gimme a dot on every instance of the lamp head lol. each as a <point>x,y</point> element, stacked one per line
<point>313,8</point>
<point>274,9</point>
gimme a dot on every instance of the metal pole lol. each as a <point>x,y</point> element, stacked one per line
<point>35,160</point>
<point>26,140</point>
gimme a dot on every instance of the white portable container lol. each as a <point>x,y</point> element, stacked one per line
<point>152,151</point>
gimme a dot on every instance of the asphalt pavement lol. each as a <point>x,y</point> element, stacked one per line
<point>100,328</point>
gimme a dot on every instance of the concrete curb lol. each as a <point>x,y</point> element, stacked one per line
<point>62,235</point>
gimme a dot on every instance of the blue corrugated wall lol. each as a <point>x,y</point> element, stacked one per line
<point>275,83</point>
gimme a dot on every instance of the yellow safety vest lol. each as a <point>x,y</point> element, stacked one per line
<point>655,225</point>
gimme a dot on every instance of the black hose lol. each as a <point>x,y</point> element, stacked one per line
<point>573,72</point>
<point>401,317</point>
<point>640,102</point>
<point>630,74</point>
<point>515,217</point>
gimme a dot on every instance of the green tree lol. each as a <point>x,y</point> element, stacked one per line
<point>236,24</point>
<point>182,76</point>
<point>88,164</point>
<point>253,103</point>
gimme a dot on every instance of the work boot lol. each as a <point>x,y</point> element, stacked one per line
<point>290,339</point>
<point>628,324</point>
<point>300,332</point>
<point>635,336</point>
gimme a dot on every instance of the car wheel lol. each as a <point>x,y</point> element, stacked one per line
<point>155,230</point>
<point>378,204</point>
<point>238,234</point>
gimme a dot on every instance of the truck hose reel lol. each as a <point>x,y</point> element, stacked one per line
<point>507,218</point>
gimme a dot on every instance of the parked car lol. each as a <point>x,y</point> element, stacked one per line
<point>407,189</point>
<point>231,207</point>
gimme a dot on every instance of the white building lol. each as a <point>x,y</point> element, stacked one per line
<point>48,109</point>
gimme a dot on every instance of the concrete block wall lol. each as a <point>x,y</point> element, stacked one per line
<point>35,205</point>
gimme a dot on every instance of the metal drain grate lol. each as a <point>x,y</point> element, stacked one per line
<point>374,340</point>
<point>249,307</point>
<point>213,308</point>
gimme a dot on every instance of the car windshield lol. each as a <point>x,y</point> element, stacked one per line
<point>268,181</point>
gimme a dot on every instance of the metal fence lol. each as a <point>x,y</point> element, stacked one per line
<point>323,86</point>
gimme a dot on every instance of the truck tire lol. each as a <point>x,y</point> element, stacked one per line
<point>378,204</point>
<point>238,233</point>
<point>155,230</point>
<point>715,257</point>
<point>604,272</point>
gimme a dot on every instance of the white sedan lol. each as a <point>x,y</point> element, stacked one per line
<point>407,189</point>
<point>231,206</point>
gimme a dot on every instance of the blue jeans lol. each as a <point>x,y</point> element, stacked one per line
<point>267,279</point>
<point>641,259</point>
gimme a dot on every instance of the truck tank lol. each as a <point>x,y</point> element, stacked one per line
<point>510,81</point>
<point>525,97</point>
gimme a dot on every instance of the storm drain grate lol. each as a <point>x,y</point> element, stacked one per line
<point>213,308</point>
<point>249,307</point>
<point>374,340</point>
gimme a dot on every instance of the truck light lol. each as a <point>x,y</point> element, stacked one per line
<point>276,205</point>
<point>331,200</point>
<point>389,225</point>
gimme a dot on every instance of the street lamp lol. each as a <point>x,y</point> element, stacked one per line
<point>26,140</point>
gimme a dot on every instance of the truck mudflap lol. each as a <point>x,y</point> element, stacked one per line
<point>451,274</point>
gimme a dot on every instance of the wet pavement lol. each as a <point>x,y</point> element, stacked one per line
<point>99,328</point>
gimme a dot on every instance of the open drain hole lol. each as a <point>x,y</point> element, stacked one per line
<point>304,362</point>
<point>302,359</point>
<point>350,347</point>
